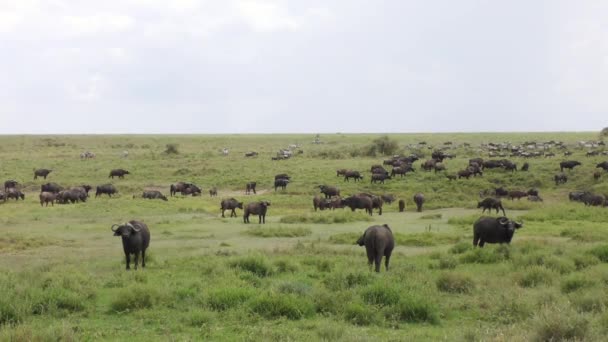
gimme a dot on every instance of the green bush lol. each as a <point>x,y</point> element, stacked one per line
<point>576,282</point>
<point>229,297</point>
<point>359,314</point>
<point>592,301</point>
<point>455,283</point>
<point>482,256</point>
<point>461,247</point>
<point>585,260</point>
<point>134,298</point>
<point>198,318</point>
<point>272,306</point>
<point>380,294</point>
<point>413,309</point>
<point>257,265</point>
<point>535,276</point>
<point>601,252</point>
<point>285,266</point>
<point>447,262</point>
<point>560,324</point>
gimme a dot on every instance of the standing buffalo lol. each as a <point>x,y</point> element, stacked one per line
<point>379,177</point>
<point>51,187</point>
<point>178,187</point>
<point>213,192</point>
<point>329,191</point>
<point>120,173</point>
<point>10,184</point>
<point>603,165</point>
<point>419,200</point>
<point>525,167</point>
<point>230,204</point>
<point>192,190</point>
<point>379,242</point>
<point>377,201</point>
<point>359,202</point>
<point>46,197</point>
<point>249,187</point>
<point>41,173</point>
<point>153,194</point>
<point>517,194</point>
<point>560,179</point>
<point>594,200</point>
<point>466,173</point>
<point>578,196</point>
<point>72,195</point>
<point>402,170</point>
<point>280,183</point>
<point>340,172</point>
<point>352,174</point>
<point>256,208</point>
<point>401,205</point>
<point>282,176</point>
<point>494,230</point>
<point>569,164</point>
<point>107,189</point>
<point>135,239</point>
<point>388,198</point>
<point>489,204</point>
<point>14,193</point>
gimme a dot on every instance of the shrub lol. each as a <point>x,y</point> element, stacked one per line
<point>272,306</point>
<point>509,310</point>
<point>584,261</point>
<point>455,283</point>
<point>284,266</point>
<point>482,256</point>
<point>344,238</point>
<point>601,252</point>
<point>359,314</point>
<point>575,282</point>
<point>593,301</point>
<point>380,294</point>
<point>461,247</point>
<point>229,297</point>
<point>257,265</point>
<point>199,318</point>
<point>536,276</point>
<point>327,217</point>
<point>342,281</point>
<point>297,288</point>
<point>330,331</point>
<point>134,298</point>
<point>447,262</point>
<point>560,324</point>
<point>413,309</point>
<point>171,149</point>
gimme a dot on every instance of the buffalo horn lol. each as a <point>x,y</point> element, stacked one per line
<point>134,228</point>
<point>503,220</point>
<point>112,228</point>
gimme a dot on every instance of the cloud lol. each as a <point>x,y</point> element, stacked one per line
<point>9,21</point>
<point>266,16</point>
<point>81,25</point>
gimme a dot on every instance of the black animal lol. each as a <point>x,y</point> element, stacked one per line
<point>359,202</point>
<point>477,161</point>
<point>377,201</point>
<point>340,172</point>
<point>251,154</point>
<point>560,179</point>
<point>281,183</point>
<point>2,196</point>
<point>492,164</point>
<point>517,194</point>
<point>594,200</point>
<point>401,205</point>
<point>569,164</point>
<point>510,166</point>
<point>466,173</point>
<point>491,203</point>
<point>282,176</point>
<point>501,192</point>
<point>451,177</point>
<point>352,174</point>
<point>379,177</point>
<point>329,191</point>
<point>41,173</point>
<point>378,169</point>
<point>319,203</point>
<point>179,187</point>
<point>230,204</point>
<point>532,192</point>
<point>120,173</point>
<point>402,170</point>
<point>84,188</point>
<point>578,196</point>
<point>525,167</point>
<point>14,193</point>
<point>135,240</point>
<point>46,197</point>
<point>51,187</point>
<point>249,187</point>
<point>379,242</point>
<point>192,190</point>
<point>603,165</point>
<point>256,208</point>
<point>419,200</point>
<point>597,175</point>
<point>494,230</point>
<point>388,198</point>
<point>153,194</point>
<point>107,189</point>
<point>72,195</point>
<point>213,192</point>
<point>10,184</point>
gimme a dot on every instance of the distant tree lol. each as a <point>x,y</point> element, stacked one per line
<point>383,145</point>
<point>171,149</point>
<point>604,133</point>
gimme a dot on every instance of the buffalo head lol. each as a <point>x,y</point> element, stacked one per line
<point>125,229</point>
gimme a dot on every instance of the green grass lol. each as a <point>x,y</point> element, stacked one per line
<point>300,276</point>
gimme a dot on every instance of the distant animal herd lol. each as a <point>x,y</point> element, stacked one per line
<point>378,240</point>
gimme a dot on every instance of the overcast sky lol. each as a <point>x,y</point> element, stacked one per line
<point>236,66</point>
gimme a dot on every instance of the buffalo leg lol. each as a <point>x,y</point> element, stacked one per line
<point>136,259</point>
<point>223,213</point>
<point>378,261</point>
<point>481,243</point>
<point>386,260</point>
<point>370,258</point>
<point>475,240</point>
<point>143,258</point>
<point>128,257</point>
<point>503,211</point>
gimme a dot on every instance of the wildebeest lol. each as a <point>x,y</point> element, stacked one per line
<point>560,178</point>
<point>525,167</point>
<point>419,200</point>
<point>135,240</point>
<point>14,193</point>
<point>230,204</point>
<point>280,183</point>
<point>10,184</point>
<point>120,173</point>
<point>257,208</point>
<point>212,192</point>
<point>107,189</point>
<point>329,191</point>
<point>597,175</point>
<point>359,202</point>
<point>51,187</point>
<point>46,197</point>
<point>379,177</point>
<point>41,173</point>
<point>356,175</point>
<point>569,164</point>
<point>249,187</point>
<point>401,205</point>
<point>378,242</point>
<point>517,194</point>
<point>494,230</point>
<point>153,194</point>
<point>491,203</point>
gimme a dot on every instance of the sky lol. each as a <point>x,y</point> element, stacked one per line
<point>302,66</point>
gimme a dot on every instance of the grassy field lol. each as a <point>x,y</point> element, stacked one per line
<point>300,276</point>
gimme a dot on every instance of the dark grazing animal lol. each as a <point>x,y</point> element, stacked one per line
<point>281,183</point>
<point>594,200</point>
<point>135,240</point>
<point>51,187</point>
<point>153,194</point>
<point>379,177</point>
<point>46,197</point>
<point>319,203</point>
<point>230,204</point>
<point>10,184</point>
<point>72,195</point>
<point>41,173</point>
<point>192,190</point>
<point>402,170</point>
<point>359,202</point>
<point>251,154</point>
<point>525,167</point>
<point>451,177</point>
<point>491,203</point>
<point>379,242</point>
<point>249,187</point>
<point>282,176</point>
<point>179,187</point>
<point>466,173</point>
<point>560,178</point>
<point>517,194</point>
<point>377,201</point>
<point>401,205</point>
<point>494,230</point>
<point>213,192</point>
<point>388,198</point>
<point>120,173</point>
<point>532,192</point>
<point>356,175</point>
<point>14,193</point>
<point>603,165</point>
<point>419,200</point>
<point>597,175</point>
<point>329,191</point>
<point>107,189</point>
<point>84,188</point>
<point>501,192</point>
<point>569,164</point>
<point>340,172</point>
<point>256,208</point>
<point>578,196</point>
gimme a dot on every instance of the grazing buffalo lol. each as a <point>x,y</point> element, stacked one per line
<point>525,167</point>
<point>597,175</point>
<point>2,196</point>
<point>333,203</point>
<point>494,230</point>
<point>466,173</point>
<point>340,172</point>
<point>356,175</point>
<point>107,189</point>
<point>282,176</point>
<point>402,170</point>
<point>377,201</point>
<point>46,197</point>
<point>84,188</point>
<point>477,161</point>
<point>517,194</point>
<point>603,165</point>
<point>256,208</point>
<point>319,203</point>
<point>120,173</point>
<point>492,164</point>
<point>10,184</point>
<point>491,203</point>
<point>578,196</point>
<point>135,240</point>
<point>594,200</point>
<point>451,177</point>
<point>178,187</point>
<point>532,192</point>
<point>569,164</point>
<point>329,191</point>
<point>230,204</point>
<point>51,187</point>
<point>72,195</point>
<point>401,205</point>
<point>41,173</point>
<point>14,193</point>
<point>388,198</point>
<point>378,169</point>
<point>154,194</point>
<point>280,183</point>
<point>213,192</point>
<point>419,200</point>
<point>379,177</point>
<point>359,202</point>
<point>501,192</point>
<point>249,187</point>
<point>378,242</point>
<point>510,166</point>
<point>428,165</point>
<point>192,190</point>
<point>251,154</point>
<point>560,179</point>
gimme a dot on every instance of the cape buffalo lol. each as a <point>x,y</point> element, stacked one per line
<point>379,177</point>
<point>230,204</point>
<point>256,208</point>
<point>41,173</point>
<point>402,170</point>
<point>501,192</point>
<point>178,187</point>
<point>51,187</point>
<point>14,193</point>
<point>578,196</point>
<point>494,230</point>
<point>10,184</point>
<point>46,197</point>
<point>525,167</point>
<point>352,174</point>
<point>517,194</point>
<point>135,239</point>
<point>401,205</point>
<point>120,173</point>
<point>466,173</point>
<point>153,194</point>
<point>251,154</point>
<point>378,242</point>
<point>428,165</point>
<point>603,165</point>
<point>478,161</point>
<point>282,176</point>
<point>72,195</point>
<point>329,191</point>
<point>107,189</point>
<point>192,190</point>
<point>249,187</point>
<point>594,200</point>
<point>451,177</point>
<point>489,204</point>
<point>597,175</point>
<point>280,183</point>
<point>388,198</point>
<point>560,179</point>
<point>340,172</point>
<point>419,200</point>
<point>377,201</point>
<point>359,202</point>
<point>213,192</point>
<point>532,192</point>
<point>318,203</point>
<point>569,164</point>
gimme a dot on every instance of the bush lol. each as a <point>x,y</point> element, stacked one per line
<point>359,314</point>
<point>229,297</point>
<point>274,306</point>
<point>482,256</point>
<point>383,146</point>
<point>380,294</point>
<point>447,262</point>
<point>284,266</point>
<point>327,217</point>
<point>343,281</point>
<point>296,288</point>
<point>413,309</point>
<point>536,276</point>
<point>584,261</point>
<point>594,301</point>
<point>461,247</point>
<point>509,310</point>
<point>257,265</point>
<point>199,318</point>
<point>455,283</point>
<point>575,283</point>
<point>560,324</point>
<point>171,149</point>
<point>601,252</point>
<point>330,331</point>
<point>134,298</point>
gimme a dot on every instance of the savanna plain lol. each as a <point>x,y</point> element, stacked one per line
<point>300,276</point>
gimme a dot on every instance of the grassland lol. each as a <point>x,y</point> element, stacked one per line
<point>300,276</point>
